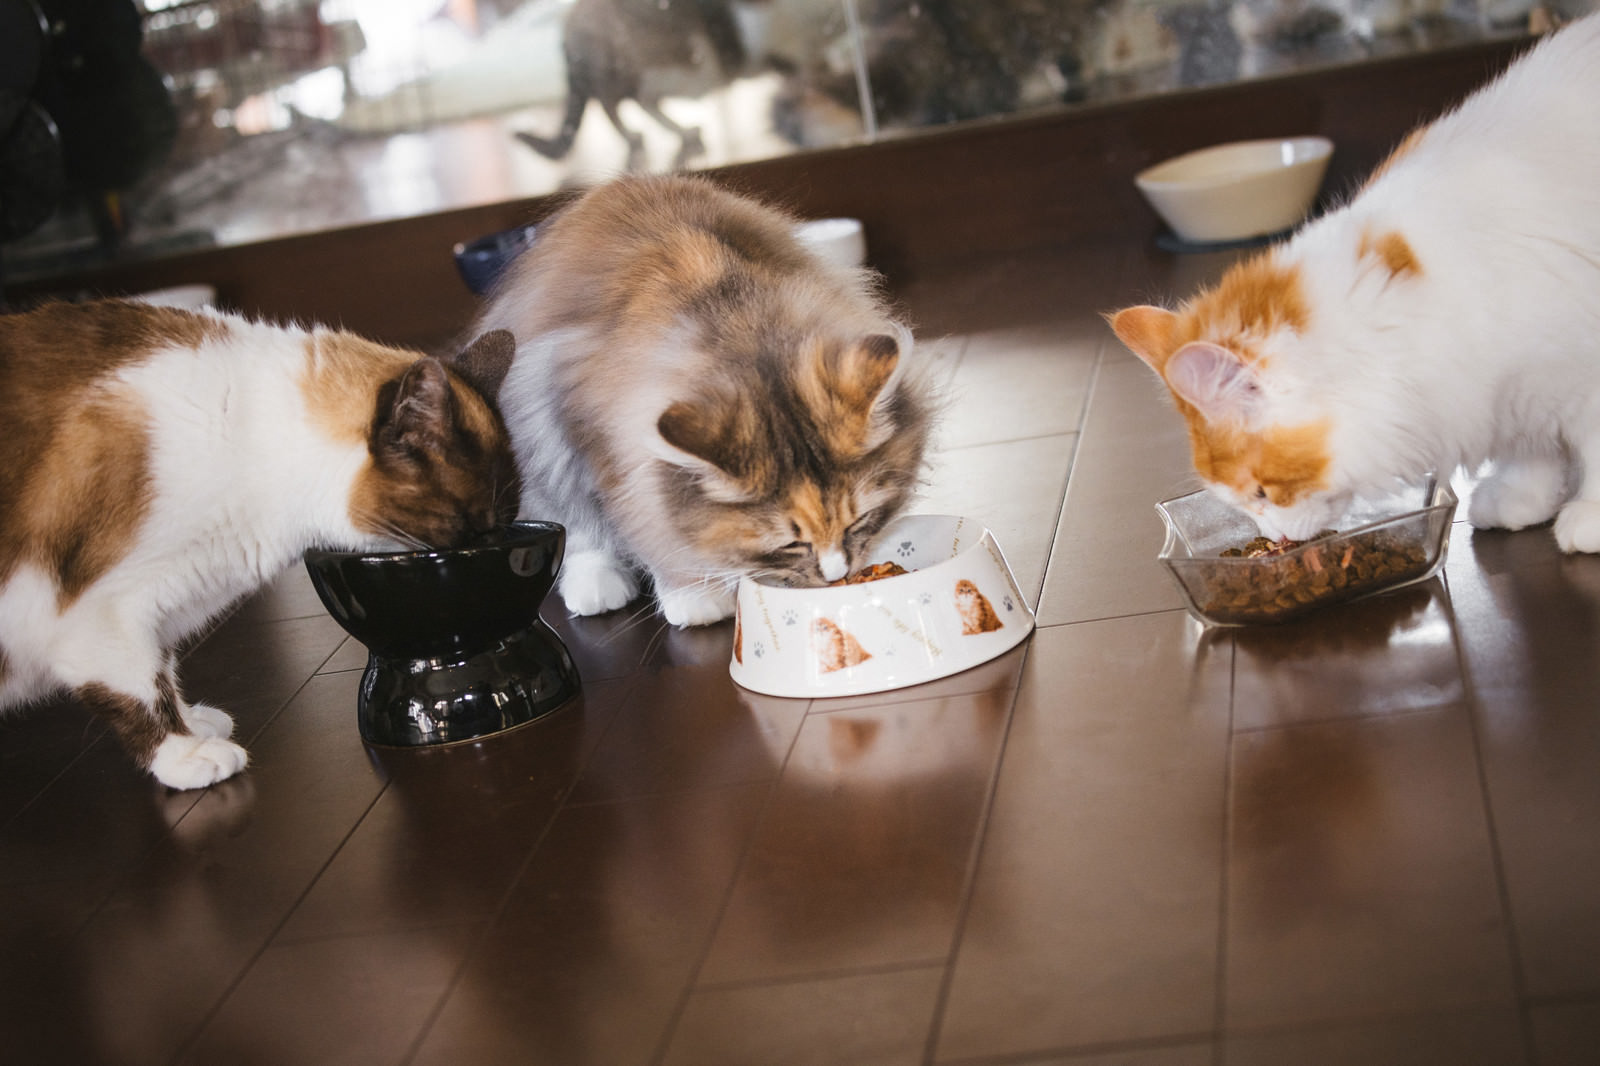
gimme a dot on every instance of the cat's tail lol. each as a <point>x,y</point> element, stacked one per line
<point>558,146</point>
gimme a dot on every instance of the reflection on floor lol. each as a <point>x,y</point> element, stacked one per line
<point>1369,837</point>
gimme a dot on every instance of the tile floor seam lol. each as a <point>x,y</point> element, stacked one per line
<point>121,877</point>
<point>249,964</point>
<point>386,930</point>
<point>1336,1022</point>
<point>809,976</point>
<point>44,788</point>
<point>478,942</point>
<point>669,1031</point>
<point>1110,618</point>
<point>1052,1056</point>
<point>1089,388</point>
<point>1364,716</point>
<point>974,863</point>
<point>1475,711</point>
<point>1219,1018</point>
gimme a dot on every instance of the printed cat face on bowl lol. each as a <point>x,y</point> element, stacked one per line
<point>956,605</point>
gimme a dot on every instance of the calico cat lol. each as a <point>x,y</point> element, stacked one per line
<point>158,465</point>
<point>698,395</point>
<point>1446,315</point>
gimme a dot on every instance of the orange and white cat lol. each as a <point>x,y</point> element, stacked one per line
<point>1447,315</point>
<point>157,465</point>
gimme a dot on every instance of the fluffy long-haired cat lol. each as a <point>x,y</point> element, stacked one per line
<point>1446,315</point>
<point>698,396</point>
<point>158,464</point>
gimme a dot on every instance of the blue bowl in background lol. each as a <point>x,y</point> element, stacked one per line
<point>482,261</point>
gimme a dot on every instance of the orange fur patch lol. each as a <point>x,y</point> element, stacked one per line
<point>74,461</point>
<point>1393,251</point>
<point>341,378</point>
<point>1254,299</point>
<point>1290,462</point>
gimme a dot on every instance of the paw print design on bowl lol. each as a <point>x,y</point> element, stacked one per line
<point>957,606</point>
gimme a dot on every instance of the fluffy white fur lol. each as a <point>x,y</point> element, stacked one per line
<point>1489,352</point>
<point>246,484</point>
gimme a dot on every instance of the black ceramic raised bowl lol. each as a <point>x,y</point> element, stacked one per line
<point>456,648</point>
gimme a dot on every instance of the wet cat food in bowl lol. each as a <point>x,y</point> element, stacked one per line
<point>456,647</point>
<point>953,605</point>
<point>1229,576</point>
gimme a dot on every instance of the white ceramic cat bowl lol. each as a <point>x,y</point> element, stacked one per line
<point>956,606</point>
<point>1239,190</point>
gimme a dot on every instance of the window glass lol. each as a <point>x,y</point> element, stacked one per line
<point>186,123</point>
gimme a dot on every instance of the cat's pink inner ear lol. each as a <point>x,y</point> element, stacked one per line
<point>1147,331</point>
<point>1214,380</point>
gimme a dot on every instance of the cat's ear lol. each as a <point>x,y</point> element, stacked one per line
<point>688,428</point>
<point>1214,381</point>
<point>851,401</point>
<point>862,369</point>
<point>486,362</point>
<point>702,438</point>
<point>1147,331</point>
<point>419,414</point>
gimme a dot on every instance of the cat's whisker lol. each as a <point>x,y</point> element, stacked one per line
<point>633,621</point>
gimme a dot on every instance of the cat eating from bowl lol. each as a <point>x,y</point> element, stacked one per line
<point>1444,317</point>
<point>158,465</point>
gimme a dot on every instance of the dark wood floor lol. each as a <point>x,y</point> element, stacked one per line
<point>1370,837</point>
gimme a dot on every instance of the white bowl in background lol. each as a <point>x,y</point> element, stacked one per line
<point>838,240</point>
<point>1239,190</point>
<point>959,606</point>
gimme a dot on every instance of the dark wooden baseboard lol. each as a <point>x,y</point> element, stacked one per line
<point>978,189</point>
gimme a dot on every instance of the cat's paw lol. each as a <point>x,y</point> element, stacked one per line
<point>1578,526</point>
<point>184,760</point>
<point>1516,499</point>
<point>696,605</point>
<point>206,721</point>
<point>594,583</point>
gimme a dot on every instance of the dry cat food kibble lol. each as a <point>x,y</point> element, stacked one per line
<point>1289,577</point>
<point>875,572</point>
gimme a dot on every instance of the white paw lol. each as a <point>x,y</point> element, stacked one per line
<point>594,582</point>
<point>1578,526</point>
<point>204,721</point>
<point>1520,497</point>
<point>696,605</point>
<point>186,761</point>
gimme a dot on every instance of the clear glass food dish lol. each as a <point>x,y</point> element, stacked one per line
<point>1378,546</point>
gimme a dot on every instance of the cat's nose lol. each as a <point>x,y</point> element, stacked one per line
<point>833,565</point>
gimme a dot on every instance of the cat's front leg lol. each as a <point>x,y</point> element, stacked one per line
<point>182,746</point>
<point>594,581</point>
<point>1519,493</point>
<point>700,602</point>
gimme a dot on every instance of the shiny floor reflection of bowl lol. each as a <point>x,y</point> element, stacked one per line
<point>456,648</point>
